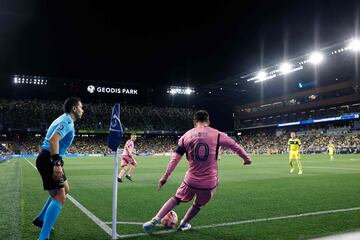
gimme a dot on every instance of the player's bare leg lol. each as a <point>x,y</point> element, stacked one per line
<point>131,170</point>
<point>122,173</point>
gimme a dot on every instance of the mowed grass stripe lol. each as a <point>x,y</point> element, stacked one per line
<point>10,208</point>
<point>263,190</point>
<point>71,224</point>
<point>89,214</point>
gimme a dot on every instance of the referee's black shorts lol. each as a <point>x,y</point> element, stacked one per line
<point>46,170</point>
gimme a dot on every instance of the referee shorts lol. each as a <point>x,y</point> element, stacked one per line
<point>46,170</point>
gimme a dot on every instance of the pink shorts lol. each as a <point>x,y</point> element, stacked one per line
<point>127,160</point>
<point>186,194</point>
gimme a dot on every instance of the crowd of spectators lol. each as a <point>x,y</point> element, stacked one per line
<point>345,139</point>
<point>36,114</point>
<point>4,150</point>
<point>96,145</point>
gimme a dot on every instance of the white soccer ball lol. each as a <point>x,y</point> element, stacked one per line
<point>170,220</point>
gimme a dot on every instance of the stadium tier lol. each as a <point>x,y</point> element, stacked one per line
<point>34,115</point>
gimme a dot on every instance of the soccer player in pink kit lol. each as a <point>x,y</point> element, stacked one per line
<point>201,145</point>
<point>127,158</point>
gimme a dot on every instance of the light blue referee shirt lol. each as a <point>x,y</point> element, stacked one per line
<point>63,125</point>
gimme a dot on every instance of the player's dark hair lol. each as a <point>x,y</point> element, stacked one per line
<point>70,103</point>
<point>201,116</point>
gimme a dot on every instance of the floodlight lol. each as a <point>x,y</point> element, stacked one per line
<point>354,45</point>
<point>285,67</point>
<point>316,58</point>
<point>188,91</point>
<point>261,75</point>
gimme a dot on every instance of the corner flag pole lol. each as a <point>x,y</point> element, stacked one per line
<point>115,134</point>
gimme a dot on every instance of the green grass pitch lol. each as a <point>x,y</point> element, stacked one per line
<point>262,190</point>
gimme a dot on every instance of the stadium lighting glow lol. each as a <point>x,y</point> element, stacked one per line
<point>179,90</point>
<point>29,80</point>
<point>188,91</point>
<point>316,58</point>
<point>261,75</point>
<point>354,45</point>
<point>285,67</point>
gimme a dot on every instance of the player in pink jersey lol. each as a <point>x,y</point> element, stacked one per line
<point>201,145</point>
<point>127,158</point>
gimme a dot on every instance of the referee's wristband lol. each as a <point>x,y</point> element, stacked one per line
<point>56,160</point>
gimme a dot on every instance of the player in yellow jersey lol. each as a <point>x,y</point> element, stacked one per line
<point>294,150</point>
<point>331,149</point>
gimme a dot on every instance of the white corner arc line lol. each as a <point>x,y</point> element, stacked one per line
<point>126,223</point>
<point>248,221</point>
<point>95,219</point>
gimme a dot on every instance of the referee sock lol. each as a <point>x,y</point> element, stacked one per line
<point>43,210</point>
<point>51,215</point>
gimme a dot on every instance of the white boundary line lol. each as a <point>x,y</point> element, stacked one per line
<point>249,221</point>
<point>95,219</point>
<point>126,223</point>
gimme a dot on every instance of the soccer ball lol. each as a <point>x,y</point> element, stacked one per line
<point>170,220</point>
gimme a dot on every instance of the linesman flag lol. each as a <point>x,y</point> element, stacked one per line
<point>116,130</point>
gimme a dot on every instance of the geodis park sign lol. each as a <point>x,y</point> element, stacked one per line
<point>111,90</point>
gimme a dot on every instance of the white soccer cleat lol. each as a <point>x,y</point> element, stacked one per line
<point>184,226</point>
<point>148,226</point>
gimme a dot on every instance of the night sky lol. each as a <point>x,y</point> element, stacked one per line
<point>172,42</point>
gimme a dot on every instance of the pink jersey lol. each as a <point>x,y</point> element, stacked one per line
<point>201,145</point>
<point>130,148</point>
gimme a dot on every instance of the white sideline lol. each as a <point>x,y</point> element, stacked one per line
<point>95,219</point>
<point>248,221</point>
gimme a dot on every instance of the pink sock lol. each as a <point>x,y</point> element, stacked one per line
<point>191,213</point>
<point>167,207</point>
<point>131,170</point>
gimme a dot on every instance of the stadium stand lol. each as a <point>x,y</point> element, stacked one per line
<point>34,115</point>
<point>315,139</point>
<point>329,101</point>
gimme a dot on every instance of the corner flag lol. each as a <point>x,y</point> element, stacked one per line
<point>115,130</point>
<point>114,139</point>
